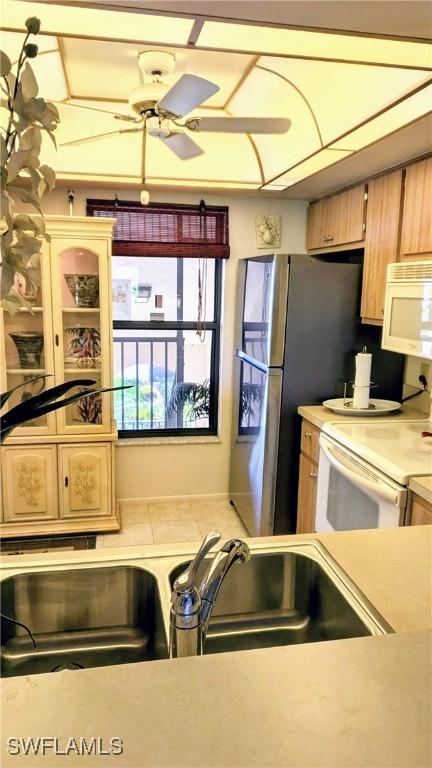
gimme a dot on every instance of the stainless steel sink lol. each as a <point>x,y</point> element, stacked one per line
<point>90,617</point>
<point>103,615</point>
<point>284,599</point>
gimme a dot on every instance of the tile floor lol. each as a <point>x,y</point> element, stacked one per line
<point>169,522</point>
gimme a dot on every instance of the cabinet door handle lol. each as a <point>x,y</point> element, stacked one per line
<point>308,434</point>
<point>313,474</point>
<point>330,237</point>
<point>57,340</point>
<point>66,482</point>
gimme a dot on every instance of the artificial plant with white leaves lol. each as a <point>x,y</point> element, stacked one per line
<point>26,117</point>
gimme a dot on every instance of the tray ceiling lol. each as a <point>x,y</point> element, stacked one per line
<point>338,108</point>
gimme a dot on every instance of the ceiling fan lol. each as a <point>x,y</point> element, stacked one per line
<point>159,108</point>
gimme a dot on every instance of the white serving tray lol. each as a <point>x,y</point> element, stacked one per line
<point>381,407</point>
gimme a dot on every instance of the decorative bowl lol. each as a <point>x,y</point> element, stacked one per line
<point>29,346</point>
<point>84,289</point>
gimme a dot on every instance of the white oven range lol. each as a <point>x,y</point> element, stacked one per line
<point>364,471</point>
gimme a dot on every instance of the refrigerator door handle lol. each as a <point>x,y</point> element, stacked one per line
<point>252,361</point>
<point>270,447</point>
<point>355,474</point>
<point>278,315</point>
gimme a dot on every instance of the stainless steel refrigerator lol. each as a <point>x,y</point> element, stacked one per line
<point>298,329</point>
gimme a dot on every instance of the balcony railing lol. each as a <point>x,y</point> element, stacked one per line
<point>151,366</point>
<point>144,364</point>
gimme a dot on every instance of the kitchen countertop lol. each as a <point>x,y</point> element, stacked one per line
<point>318,415</point>
<point>422,486</point>
<point>353,703</point>
<point>361,702</point>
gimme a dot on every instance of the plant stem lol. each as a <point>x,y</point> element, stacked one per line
<point>7,91</point>
<point>21,60</point>
<point>13,138</point>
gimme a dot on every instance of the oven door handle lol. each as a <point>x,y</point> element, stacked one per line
<point>379,488</point>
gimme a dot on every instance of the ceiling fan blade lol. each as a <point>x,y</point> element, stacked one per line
<point>182,145</point>
<point>98,136</point>
<point>117,115</point>
<point>188,92</point>
<point>239,124</point>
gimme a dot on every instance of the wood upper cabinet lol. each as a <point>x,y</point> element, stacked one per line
<point>381,242</point>
<point>416,234</point>
<point>315,231</point>
<point>337,220</point>
<point>346,216</point>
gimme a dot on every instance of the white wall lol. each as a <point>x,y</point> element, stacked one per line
<point>414,366</point>
<point>154,470</point>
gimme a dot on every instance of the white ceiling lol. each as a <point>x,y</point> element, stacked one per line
<point>109,70</point>
<point>325,100</point>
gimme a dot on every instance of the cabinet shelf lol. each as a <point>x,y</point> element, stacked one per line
<point>26,371</point>
<point>29,311</point>
<point>85,371</point>
<point>81,310</point>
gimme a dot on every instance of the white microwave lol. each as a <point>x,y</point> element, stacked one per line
<point>407,324</point>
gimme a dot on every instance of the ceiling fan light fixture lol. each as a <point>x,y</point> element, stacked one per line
<point>146,96</point>
<point>156,63</point>
<point>158,127</point>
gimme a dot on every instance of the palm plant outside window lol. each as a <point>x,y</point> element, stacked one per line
<point>166,311</point>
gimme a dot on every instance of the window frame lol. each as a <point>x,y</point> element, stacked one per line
<point>185,325</point>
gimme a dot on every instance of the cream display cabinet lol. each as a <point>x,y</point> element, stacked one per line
<point>58,470</point>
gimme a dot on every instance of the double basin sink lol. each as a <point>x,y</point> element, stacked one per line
<point>99,615</point>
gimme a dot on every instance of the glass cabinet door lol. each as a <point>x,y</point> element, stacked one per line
<point>82,332</point>
<point>28,348</point>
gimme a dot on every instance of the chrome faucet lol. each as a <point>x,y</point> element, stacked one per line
<point>192,605</point>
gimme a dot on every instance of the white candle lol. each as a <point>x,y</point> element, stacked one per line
<point>363,365</point>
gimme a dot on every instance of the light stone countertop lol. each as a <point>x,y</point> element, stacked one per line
<point>422,486</point>
<point>318,415</point>
<point>364,702</point>
<point>345,704</point>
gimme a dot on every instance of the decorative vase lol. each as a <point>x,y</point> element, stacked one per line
<point>29,346</point>
<point>84,289</point>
